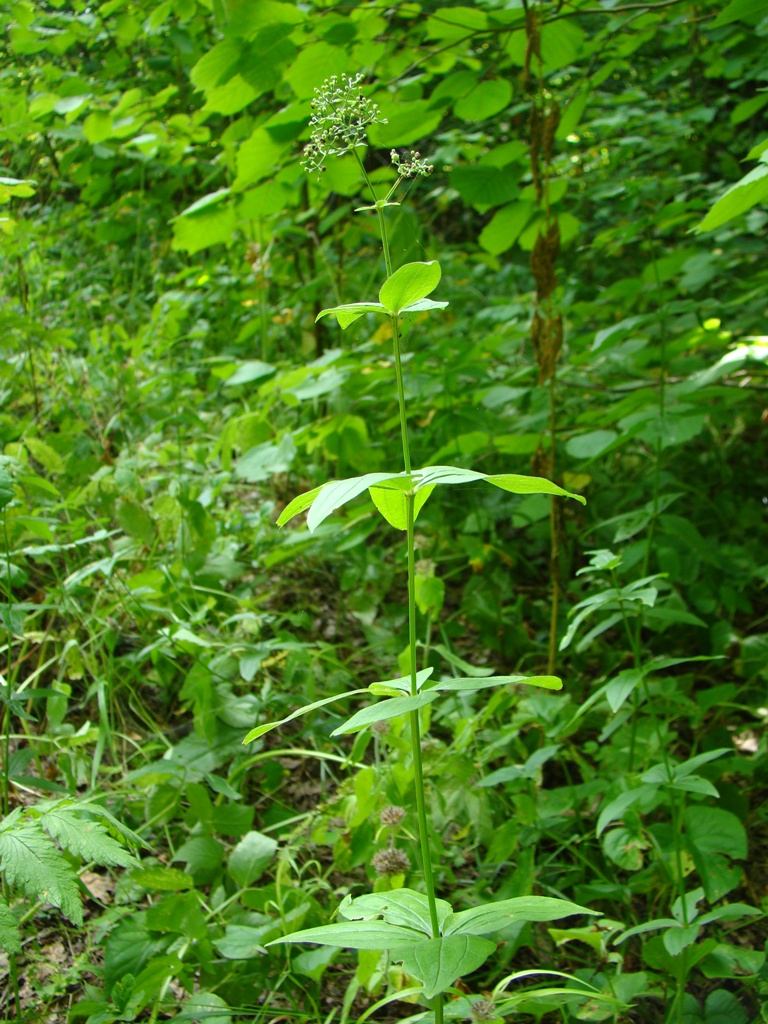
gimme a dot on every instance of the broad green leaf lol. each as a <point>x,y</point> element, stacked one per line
<point>241,942</point>
<point>204,1006</point>
<point>15,188</point>
<point>212,199</point>
<point>136,521</point>
<point>250,857</point>
<point>347,314</point>
<point>678,939</point>
<point>261,730</point>
<point>30,861</point>
<point>589,446</point>
<point>406,124</point>
<point>622,686</point>
<point>162,879</point>
<point>402,907</point>
<point>647,926</point>
<point>334,495</point>
<point>715,830</point>
<point>47,456</point>
<point>470,685</point>
<point>10,936</point>
<point>730,912</point>
<point>615,809</point>
<point>505,227</point>
<point>484,186</point>
<point>746,193</point>
<point>6,488</point>
<point>299,504</point>
<point>493,916</point>
<point>512,482</point>
<point>356,935</point>
<point>439,962</point>
<point>393,506</point>
<point>384,710</point>
<point>741,10</point>
<point>253,369</point>
<point>209,227</point>
<point>727,961</point>
<point>488,98</point>
<point>409,284</point>
<point>423,306</point>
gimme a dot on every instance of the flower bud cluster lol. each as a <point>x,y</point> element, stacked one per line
<point>413,167</point>
<point>341,112</point>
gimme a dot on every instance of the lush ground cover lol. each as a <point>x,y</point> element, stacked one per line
<point>168,389</point>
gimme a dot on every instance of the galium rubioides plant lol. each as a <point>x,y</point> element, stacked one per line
<point>421,931</point>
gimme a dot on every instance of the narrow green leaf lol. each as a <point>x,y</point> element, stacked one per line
<point>470,685</point>
<point>261,730</point>
<point>513,482</point>
<point>439,962</point>
<point>336,494</point>
<point>615,809</point>
<point>347,314</point>
<point>299,504</point>
<point>746,193</point>
<point>402,684</point>
<point>409,284</point>
<point>385,709</point>
<point>403,907</point>
<point>355,935</point>
<point>493,916</point>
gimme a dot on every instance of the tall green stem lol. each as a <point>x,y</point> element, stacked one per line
<point>418,767</point>
<point>418,770</point>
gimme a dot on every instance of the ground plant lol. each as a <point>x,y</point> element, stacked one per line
<point>383,385</point>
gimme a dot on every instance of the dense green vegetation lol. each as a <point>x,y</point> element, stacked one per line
<point>586,260</point>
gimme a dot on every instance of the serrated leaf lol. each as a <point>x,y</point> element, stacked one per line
<point>83,837</point>
<point>163,879</point>
<point>10,936</point>
<point>31,861</point>
<point>439,962</point>
<point>356,935</point>
<point>260,730</point>
<point>384,710</point>
<point>493,916</point>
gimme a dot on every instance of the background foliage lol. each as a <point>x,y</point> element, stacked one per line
<point>166,390</point>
